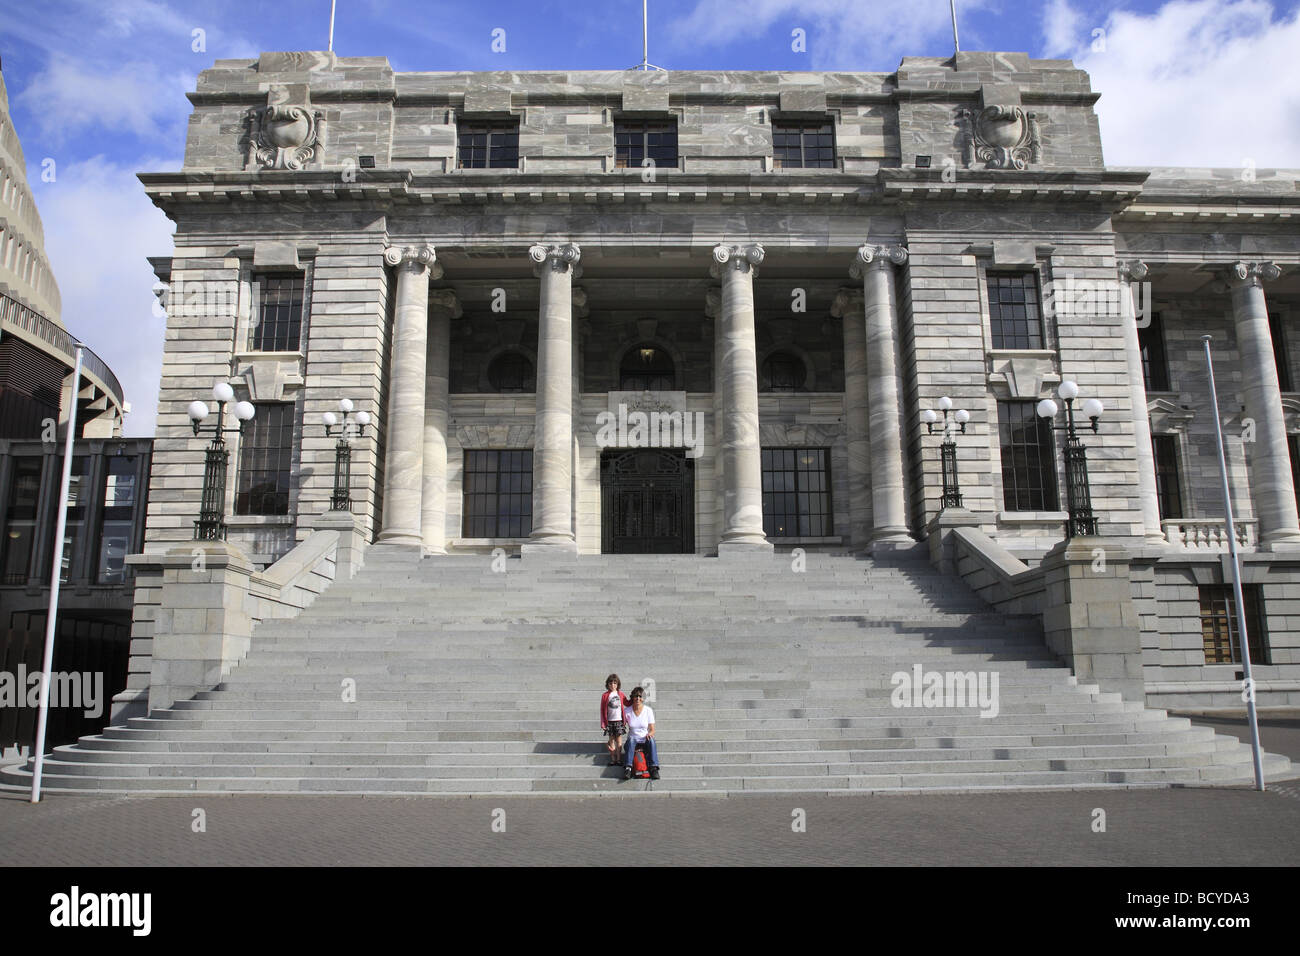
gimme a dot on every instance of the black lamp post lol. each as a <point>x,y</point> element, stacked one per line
<point>948,449</point>
<point>1081,520</point>
<point>211,525</point>
<point>342,498</point>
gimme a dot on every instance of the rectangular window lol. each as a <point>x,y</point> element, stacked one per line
<point>1014,310</point>
<point>16,545</point>
<point>638,140</point>
<point>498,494</point>
<point>1285,380</point>
<point>119,519</point>
<point>1028,458</point>
<point>278,323</point>
<point>803,145</point>
<point>1293,446</point>
<point>265,457</point>
<point>1155,365</point>
<point>1219,624</point>
<point>74,529</point>
<point>487,144</point>
<point>796,492</point>
<point>1168,487</point>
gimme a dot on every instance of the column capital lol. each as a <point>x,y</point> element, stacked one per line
<point>848,302</point>
<point>871,255</point>
<point>415,257</point>
<point>744,257</point>
<point>556,256</point>
<point>1243,273</point>
<point>1131,270</point>
<point>713,302</point>
<point>445,302</point>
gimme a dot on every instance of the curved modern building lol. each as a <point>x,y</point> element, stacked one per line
<point>36,352</point>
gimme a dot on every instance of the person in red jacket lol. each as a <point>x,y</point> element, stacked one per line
<point>612,703</point>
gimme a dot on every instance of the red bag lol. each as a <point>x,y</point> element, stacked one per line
<point>639,768</point>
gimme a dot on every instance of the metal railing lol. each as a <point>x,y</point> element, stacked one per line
<point>19,316</point>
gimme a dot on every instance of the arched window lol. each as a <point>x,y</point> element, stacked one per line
<point>782,372</point>
<point>646,368</point>
<point>512,372</point>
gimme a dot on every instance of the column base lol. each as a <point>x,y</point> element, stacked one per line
<point>558,546</point>
<point>747,545</point>
<point>409,539</point>
<point>895,542</point>
<point>1280,542</point>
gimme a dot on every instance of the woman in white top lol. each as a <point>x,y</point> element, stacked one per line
<point>639,721</point>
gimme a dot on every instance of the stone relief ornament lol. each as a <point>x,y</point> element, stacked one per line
<point>285,136</point>
<point>1001,137</point>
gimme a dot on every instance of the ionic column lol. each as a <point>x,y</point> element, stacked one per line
<point>742,461</point>
<point>557,267</point>
<point>1129,272</point>
<point>848,307</point>
<point>404,460</point>
<point>874,265</point>
<point>443,307</point>
<point>1270,463</point>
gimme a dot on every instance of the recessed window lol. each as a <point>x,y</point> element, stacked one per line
<point>1281,357</point>
<point>647,368</point>
<point>1155,366</point>
<point>803,145</point>
<point>512,372</point>
<point>487,144</point>
<point>638,140</point>
<point>1219,624</point>
<point>498,493</point>
<point>796,492</point>
<point>265,457</point>
<point>278,320</point>
<point>1014,311</point>
<point>782,372</point>
<point>1028,462</point>
<point>20,520</point>
<point>1169,494</point>
<point>120,482</point>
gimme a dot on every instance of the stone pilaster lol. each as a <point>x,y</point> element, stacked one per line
<point>742,463</point>
<point>1270,462</point>
<point>848,307</point>
<point>556,266</point>
<point>874,265</point>
<point>713,309</point>
<point>404,460</point>
<point>443,307</point>
<point>1129,272</point>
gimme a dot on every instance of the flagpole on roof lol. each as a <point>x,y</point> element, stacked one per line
<point>332,5</point>
<point>645,63</point>
<point>956,46</point>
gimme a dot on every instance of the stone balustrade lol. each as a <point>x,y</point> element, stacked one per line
<point>1209,534</point>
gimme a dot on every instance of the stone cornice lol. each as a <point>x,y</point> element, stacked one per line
<point>1115,190</point>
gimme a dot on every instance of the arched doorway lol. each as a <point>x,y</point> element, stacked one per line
<point>647,502</point>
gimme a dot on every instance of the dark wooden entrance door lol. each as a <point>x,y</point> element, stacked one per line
<point>647,502</point>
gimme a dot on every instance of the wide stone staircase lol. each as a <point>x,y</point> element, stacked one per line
<point>469,675</point>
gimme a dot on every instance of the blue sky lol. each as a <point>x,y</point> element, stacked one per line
<point>99,87</point>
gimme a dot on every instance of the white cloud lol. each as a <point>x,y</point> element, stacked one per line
<point>842,34</point>
<point>68,99</point>
<point>99,229</point>
<point>1203,83</point>
<point>1061,25</point>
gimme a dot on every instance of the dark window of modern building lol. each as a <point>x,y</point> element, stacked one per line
<point>498,494</point>
<point>803,145</point>
<point>1169,493</point>
<point>1219,624</point>
<point>278,323</point>
<point>1028,458</point>
<point>1286,381</point>
<point>74,529</point>
<point>487,144</point>
<point>782,372</point>
<point>1014,310</point>
<point>796,492</point>
<point>265,457</point>
<point>120,479</point>
<point>1155,364</point>
<point>512,372</point>
<point>638,140</point>
<point>30,385</point>
<point>646,368</point>
<point>20,522</point>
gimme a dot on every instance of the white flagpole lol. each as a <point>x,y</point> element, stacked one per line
<point>1236,577</point>
<point>956,46</point>
<point>51,616</point>
<point>332,5</point>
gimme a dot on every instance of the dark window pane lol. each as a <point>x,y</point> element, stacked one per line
<point>488,144</point>
<point>512,372</point>
<point>278,325</point>
<point>637,140</point>
<point>1168,487</point>
<point>265,458</point>
<point>1155,366</point>
<point>1219,624</point>
<point>1013,310</point>
<point>1028,458</point>
<point>498,500</point>
<point>795,497</point>
<point>647,368</point>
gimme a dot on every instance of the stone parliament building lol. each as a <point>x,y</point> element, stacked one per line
<point>703,313</point>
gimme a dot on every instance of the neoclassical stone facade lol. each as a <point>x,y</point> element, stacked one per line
<point>964,239</point>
